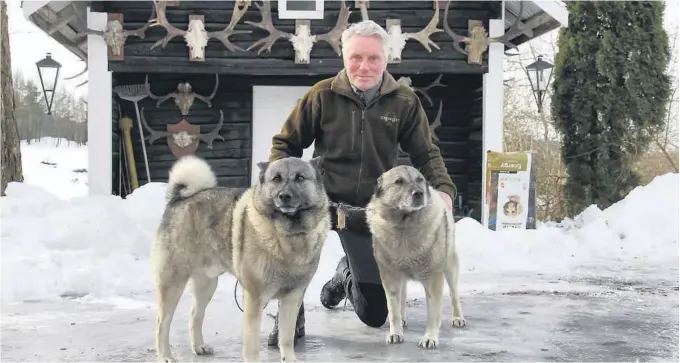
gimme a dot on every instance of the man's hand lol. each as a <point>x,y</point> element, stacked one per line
<point>447,200</point>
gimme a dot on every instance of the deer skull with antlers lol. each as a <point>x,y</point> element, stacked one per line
<point>115,35</point>
<point>303,40</point>
<point>184,96</point>
<point>196,37</point>
<point>184,138</point>
<point>478,41</point>
<point>397,39</point>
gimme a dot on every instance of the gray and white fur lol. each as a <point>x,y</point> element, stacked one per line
<point>413,240</point>
<point>268,236</point>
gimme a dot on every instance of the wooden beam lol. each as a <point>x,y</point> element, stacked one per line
<point>276,67</point>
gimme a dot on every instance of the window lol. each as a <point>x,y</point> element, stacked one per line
<point>301,9</point>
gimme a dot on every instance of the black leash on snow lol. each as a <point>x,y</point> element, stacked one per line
<point>239,305</point>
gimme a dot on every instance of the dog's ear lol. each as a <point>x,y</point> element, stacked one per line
<point>263,168</point>
<point>316,164</point>
<point>378,186</point>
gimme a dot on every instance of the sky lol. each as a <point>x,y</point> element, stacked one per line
<point>23,32</point>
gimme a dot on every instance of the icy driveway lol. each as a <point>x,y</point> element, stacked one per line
<point>587,320</point>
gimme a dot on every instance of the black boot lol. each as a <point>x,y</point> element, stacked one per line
<point>336,288</point>
<point>273,339</point>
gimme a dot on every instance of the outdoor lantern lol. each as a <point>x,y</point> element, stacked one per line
<point>48,70</point>
<point>540,74</point>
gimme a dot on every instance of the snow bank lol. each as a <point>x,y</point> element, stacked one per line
<point>98,246</point>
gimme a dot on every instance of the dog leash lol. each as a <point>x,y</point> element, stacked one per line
<point>239,305</point>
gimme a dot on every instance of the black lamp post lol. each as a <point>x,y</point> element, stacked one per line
<point>48,70</point>
<point>540,74</point>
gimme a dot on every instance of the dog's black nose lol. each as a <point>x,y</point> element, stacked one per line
<point>285,197</point>
<point>418,194</point>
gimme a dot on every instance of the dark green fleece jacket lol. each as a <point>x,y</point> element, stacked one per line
<point>357,142</point>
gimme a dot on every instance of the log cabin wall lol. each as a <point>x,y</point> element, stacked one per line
<point>459,133</point>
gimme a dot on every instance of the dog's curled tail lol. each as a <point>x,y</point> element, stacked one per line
<point>188,176</point>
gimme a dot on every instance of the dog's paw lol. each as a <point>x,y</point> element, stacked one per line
<point>168,359</point>
<point>204,349</point>
<point>394,338</point>
<point>428,342</point>
<point>458,322</point>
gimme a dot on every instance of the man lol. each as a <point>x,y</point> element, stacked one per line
<point>357,120</point>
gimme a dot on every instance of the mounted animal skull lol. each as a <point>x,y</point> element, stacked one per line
<point>184,138</point>
<point>196,37</point>
<point>184,97</point>
<point>478,41</point>
<point>115,35</point>
<point>303,41</point>
<point>397,39</point>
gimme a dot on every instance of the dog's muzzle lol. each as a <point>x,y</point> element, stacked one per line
<point>286,203</point>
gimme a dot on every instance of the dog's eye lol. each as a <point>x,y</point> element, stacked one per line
<point>420,179</point>
<point>276,178</point>
<point>299,178</point>
<point>399,181</point>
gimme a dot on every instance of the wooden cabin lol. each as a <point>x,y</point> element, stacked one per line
<point>252,89</point>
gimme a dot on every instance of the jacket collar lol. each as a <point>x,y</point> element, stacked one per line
<point>342,85</point>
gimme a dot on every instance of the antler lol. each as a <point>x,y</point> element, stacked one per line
<point>163,21</point>
<point>423,36</point>
<point>153,134</point>
<point>266,24</point>
<point>481,41</point>
<point>333,36</point>
<point>214,134</point>
<point>160,99</point>
<point>423,90</point>
<point>212,95</point>
<point>141,32</point>
<point>437,121</point>
<point>236,15</point>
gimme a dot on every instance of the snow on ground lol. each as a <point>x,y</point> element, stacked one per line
<point>602,286</point>
<point>65,243</point>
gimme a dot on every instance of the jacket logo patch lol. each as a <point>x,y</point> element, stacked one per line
<point>391,118</point>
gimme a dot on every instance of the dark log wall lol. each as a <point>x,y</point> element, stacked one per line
<point>414,16</point>
<point>460,103</point>
<point>459,134</point>
<point>229,158</point>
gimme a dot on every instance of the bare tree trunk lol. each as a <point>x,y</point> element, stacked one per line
<point>10,145</point>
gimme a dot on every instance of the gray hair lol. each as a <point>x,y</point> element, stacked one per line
<point>366,28</point>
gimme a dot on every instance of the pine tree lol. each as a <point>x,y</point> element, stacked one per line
<point>609,93</point>
<point>10,165</point>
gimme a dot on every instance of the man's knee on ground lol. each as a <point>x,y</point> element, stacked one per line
<point>370,305</point>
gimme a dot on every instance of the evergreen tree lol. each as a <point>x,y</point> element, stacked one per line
<point>609,94</point>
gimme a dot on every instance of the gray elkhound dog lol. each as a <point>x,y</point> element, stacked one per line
<point>268,236</point>
<point>413,239</point>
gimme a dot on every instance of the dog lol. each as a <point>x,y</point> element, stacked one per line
<point>413,239</point>
<point>269,236</point>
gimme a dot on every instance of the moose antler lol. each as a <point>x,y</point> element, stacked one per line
<point>423,36</point>
<point>266,24</point>
<point>184,96</point>
<point>478,41</point>
<point>333,36</point>
<point>423,90</point>
<point>236,15</point>
<point>208,138</point>
<point>303,41</point>
<point>437,122</point>
<point>214,134</point>
<point>153,134</point>
<point>195,37</point>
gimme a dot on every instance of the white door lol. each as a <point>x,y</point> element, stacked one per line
<point>271,106</point>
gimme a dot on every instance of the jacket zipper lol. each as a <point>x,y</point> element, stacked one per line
<point>361,160</point>
<point>353,129</point>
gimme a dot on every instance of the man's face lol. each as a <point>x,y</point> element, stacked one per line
<point>364,61</point>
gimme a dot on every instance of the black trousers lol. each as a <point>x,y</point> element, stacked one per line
<point>365,289</point>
